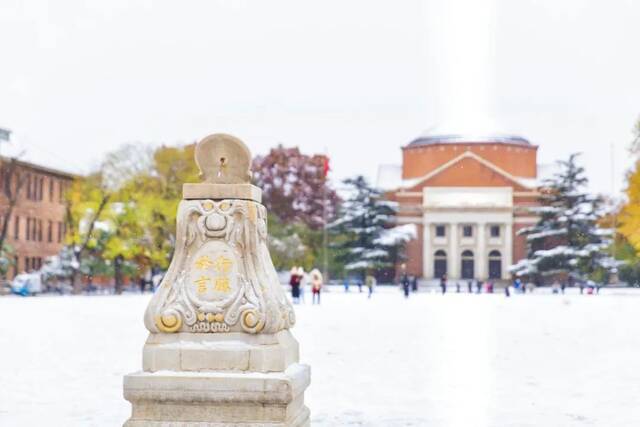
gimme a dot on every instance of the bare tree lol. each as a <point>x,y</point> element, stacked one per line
<point>80,242</point>
<point>12,183</point>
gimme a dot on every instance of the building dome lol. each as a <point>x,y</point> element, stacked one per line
<point>429,152</point>
<point>469,139</point>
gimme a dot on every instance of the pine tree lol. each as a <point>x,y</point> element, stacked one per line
<point>367,240</point>
<point>566,240</point>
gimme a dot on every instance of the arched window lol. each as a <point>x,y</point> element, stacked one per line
<point>439,263</point>
<point>495,265</point>
<point>468,267</point>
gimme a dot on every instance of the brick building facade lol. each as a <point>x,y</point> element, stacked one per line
<point>36,228</point>
<point>468,198</point>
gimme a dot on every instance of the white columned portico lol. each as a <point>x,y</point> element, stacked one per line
<point>454,206</point>
<point>481,252</point>
<point>507,256</point>
<point>427,250</point>
<point>453,259</point>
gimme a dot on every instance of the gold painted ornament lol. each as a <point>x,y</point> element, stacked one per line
<point>221,278</point>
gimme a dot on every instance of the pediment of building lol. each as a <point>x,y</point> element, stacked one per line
<point>467,170</point>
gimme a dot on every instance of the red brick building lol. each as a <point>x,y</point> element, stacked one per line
<point>36,227</point>
<point>468,198</point>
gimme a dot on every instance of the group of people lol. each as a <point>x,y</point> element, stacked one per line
<point>298,281</point>
<point>370,282</point>
<point>477,286</point>
<point>408,284</point>
<point>591,287</point>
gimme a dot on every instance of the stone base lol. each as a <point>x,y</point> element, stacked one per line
<point>215,380</point>
<point>190,399</point>
<point>234,351</point>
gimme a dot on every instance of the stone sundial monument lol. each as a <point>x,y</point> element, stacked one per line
<point>219,352</point>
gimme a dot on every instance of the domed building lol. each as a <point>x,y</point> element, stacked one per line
<point>468,196</point>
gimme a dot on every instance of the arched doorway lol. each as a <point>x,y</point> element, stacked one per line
<point>467,271</point>
<point>495,265</point>
<point>439,264</point>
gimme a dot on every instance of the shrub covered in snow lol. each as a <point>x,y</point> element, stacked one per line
<point>364,222</point>
<point>567,238</point>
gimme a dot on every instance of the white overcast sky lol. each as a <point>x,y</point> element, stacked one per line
<point>357,78</point>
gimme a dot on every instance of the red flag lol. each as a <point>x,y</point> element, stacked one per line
<point>326,166</point>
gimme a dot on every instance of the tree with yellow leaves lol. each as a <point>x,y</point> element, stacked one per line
<point>627,245</point>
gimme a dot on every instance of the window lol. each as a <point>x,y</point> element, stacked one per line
<point>467,265</point>
<point>59,232</point>
<point>467,231</point>
<point>39,230</point>
<point>16,228</point>
<point>41,188</point>
<point>6,182</point>
<point>495,265</point>
<point>441,231</point>
<point>29,186</point>
<point>51,181</point>
<point>61,191</point>
<point>50,231</point>
<point>28,234</point>
<point>440,264</point>
<point>27,264</point>
<point>495,231</point>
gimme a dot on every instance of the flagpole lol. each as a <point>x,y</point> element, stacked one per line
<point>325,237</point>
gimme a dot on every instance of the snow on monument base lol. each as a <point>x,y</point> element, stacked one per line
<point>219,380</point>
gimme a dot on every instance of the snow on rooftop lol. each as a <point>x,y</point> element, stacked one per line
<point>470,139</point>
<point>39,154</point>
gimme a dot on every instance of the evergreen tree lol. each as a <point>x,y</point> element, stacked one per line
<point>366,240</point>
<point>567,240</point>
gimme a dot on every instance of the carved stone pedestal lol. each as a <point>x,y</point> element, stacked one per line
<point>191,399</point>
<point>211,380</point>
<point>219,352</point>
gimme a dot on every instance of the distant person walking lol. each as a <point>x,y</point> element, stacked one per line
<point>517,285</point>
<point>145,280</point>
<point>478,286</point>
<point>303,283</point>
<point>414,283</point>
<point>443,284</point>
<point>346,284</point>
<point>294,281</point>
<point>470,286</point>
<point>316,285</point>
<point>506,291</point>
<point>370,282</point>
<point>404,281</point>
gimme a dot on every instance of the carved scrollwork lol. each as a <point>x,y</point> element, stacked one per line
<point>222,278</point>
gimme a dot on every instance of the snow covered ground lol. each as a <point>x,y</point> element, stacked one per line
<point>432,360</point>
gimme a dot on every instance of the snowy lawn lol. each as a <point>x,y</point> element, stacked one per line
<point>457,360</point>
